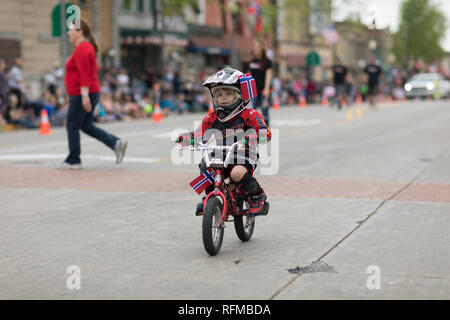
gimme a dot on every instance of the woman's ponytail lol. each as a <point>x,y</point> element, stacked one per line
<point>93,41</point>
<point>88,34</point>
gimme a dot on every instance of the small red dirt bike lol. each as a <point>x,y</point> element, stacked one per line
<point>227,200</point>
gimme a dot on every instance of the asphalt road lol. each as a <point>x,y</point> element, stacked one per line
<point>360,209</point>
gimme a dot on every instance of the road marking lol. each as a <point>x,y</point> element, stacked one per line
<point>60,156</point>
<point>296,123</point>
<point>349,115</point>
<point>40,146</point>
<point>359,112</point>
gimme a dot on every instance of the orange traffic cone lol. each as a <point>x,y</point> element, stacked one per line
<point>45,124</point>
<point>302,102</point>
<point>324,101</point>
<point>359,99</point>
<point>276,103</point>
<point>157,115</point>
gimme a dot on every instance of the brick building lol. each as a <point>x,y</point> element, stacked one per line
<point>296,39</point>
<point>210,35</point>
<point>26,31</point>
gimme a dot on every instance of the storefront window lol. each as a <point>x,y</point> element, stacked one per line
<point>140,5</point>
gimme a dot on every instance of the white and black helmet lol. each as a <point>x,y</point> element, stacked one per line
<point>226,78</point>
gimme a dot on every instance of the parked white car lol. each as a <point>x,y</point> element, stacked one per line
<point>428,84</point>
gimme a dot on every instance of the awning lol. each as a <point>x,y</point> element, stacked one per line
<point>130,40</point>
<point>143,37</point>
<point>209,50</point>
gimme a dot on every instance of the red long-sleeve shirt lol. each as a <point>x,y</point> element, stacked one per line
<point>81,70</point>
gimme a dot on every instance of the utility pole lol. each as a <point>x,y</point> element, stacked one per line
<point>159,9</point>
<point>310,36</point>
<point>96,25</point>
<point>63,41</point>
<point>115,31</point>
<point>234,8</point>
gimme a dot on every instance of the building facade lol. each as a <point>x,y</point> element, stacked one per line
<point>299,34</point>
<point>357,43</point>
<point>25,31</point>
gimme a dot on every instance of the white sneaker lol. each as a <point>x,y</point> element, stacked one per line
<point>68,166</point>
<point>119,150</point>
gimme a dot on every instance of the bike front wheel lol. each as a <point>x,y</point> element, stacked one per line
<point>212,230</point>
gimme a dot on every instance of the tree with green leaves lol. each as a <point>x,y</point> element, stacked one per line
<point>422,28</point>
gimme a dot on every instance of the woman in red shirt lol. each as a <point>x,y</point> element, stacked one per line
<point>83,89</point>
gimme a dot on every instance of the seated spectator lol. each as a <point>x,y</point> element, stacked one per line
<point>2,122</point>
<point>105,87</point>
<point>311,91</point>
<point>167,105</point>
<point>49,103</point>
<point>132,109</point>
<point>118,105</point>
<point>3,88</point>
<point>113,109</point>
<point>197,104</point>
<point>328,92</point>
<point>180,104</point>
<point>139,87</point>
<point>146,103</point>
<point>15,114</point>
<point>59,117</point>
<point>123,81</point>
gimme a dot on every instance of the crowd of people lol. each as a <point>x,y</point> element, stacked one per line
<point>347,85</point>
<point>126,98</point>
<point>122,98</point>
<point>17,108</point>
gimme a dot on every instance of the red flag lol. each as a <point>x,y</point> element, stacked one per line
<point>258,26</point>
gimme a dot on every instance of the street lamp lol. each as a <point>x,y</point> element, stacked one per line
<point>373,45</point>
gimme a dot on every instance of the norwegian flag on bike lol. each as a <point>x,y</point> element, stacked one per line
<point>203,181</point>
<point>248,86</point>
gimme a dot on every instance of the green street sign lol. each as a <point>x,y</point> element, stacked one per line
<point>312,59</point>
<point>56,19</point>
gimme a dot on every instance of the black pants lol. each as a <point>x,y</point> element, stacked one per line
<point>78,119</point>
<point>258,103</point>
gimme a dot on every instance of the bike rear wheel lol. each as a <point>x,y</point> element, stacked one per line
<point>244,226</point>
<point>212,231</point>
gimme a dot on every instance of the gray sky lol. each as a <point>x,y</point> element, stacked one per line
<point>387,12</point>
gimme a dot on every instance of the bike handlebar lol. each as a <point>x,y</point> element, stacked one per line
<point>204,147</point>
